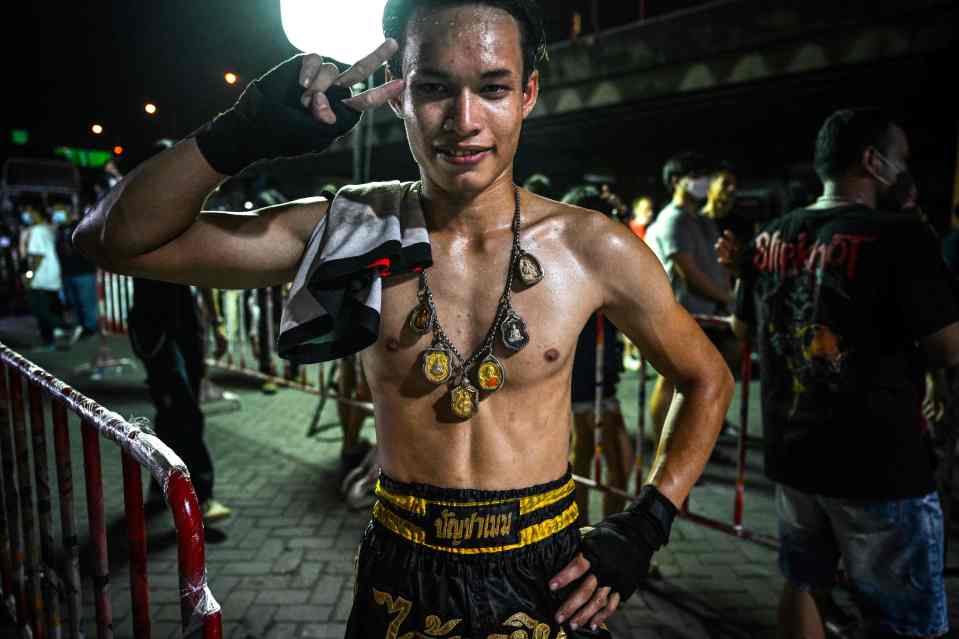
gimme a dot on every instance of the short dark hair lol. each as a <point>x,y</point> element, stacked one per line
<point>539,184</point>
<point>397,13</point>
<point>683,164</point>
<point>845,135</point>
<point>588,196</point>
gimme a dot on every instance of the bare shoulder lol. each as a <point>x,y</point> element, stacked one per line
<point>587,233</point>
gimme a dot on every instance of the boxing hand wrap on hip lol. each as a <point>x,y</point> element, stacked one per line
<point>268,121</point>
<point>620,547</point>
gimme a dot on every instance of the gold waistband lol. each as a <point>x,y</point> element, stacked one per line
<point>528,504</point>
<point>466,535</point>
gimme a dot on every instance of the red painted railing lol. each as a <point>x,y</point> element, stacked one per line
<point>33,582</point>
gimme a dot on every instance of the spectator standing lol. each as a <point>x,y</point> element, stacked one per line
<point>642,216</point>
<point>43,277</point>
<point>851,302</point>
<point>684,239</point>
<point>167,334</point>
<point>79,276</point>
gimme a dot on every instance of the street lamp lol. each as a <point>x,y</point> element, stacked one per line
<point>348,37</point>
<point>97,129</point>
<point>150,108</point>
<point>230,78</point>
<point>118,150</point>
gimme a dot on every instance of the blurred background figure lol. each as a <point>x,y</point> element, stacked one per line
<point>42,275</point>
<point>540,185</point>
<point>167,334</point>
<point>352,386</point>
<point>684,238</point>
<point>79,276</point>
<point>615,442</point>
<point>950,245</point>
<point>641,216</point>
<point>721,207</point>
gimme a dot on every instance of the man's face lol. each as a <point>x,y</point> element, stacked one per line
<point>887,165</point>
<point>694,187</point>
<point>465,101</point>
<point>643,210</point>
<point>722,192</point>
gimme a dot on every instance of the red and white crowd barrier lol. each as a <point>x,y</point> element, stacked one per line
<point>43,593</point>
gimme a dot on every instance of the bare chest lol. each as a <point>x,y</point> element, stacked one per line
<point>466,291</point>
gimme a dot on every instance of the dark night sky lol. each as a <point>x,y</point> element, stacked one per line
<point>86,62</point>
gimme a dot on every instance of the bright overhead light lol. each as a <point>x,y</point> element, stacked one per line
<point>150,108</point>
<point>118,150</point>
<point>351,35</point>
<point>97,129</point>
<point>230,78</point>
<point>248,205</point>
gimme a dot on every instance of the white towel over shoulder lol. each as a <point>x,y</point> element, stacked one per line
<point>371,231</point>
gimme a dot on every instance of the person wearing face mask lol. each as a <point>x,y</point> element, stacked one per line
<point>683,237</point>
<point>42,276</point>
<point>851,304</point>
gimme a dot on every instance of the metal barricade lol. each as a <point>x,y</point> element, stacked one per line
<point>36,589</point>
<point>734,527</point>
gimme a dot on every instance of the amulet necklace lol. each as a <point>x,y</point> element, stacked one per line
<point>442,362</point>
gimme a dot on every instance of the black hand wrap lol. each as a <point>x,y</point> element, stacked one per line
<point>621,546</point>
<point>269,121</point>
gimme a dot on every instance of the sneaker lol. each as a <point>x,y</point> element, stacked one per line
<point>268,388</point>
<point>214,511</point>
<point>75,335</point>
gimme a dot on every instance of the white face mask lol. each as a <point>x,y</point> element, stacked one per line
<point>698,187</point>
<point>59,216</point>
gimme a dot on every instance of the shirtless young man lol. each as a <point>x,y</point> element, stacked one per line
<point>472,534</point>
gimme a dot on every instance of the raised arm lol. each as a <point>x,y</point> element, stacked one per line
<point>151,223</point>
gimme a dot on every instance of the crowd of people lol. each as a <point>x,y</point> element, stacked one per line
<point>58,283</point>
<point>487,398</point>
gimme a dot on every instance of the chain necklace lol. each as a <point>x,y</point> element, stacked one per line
<point>442,362</point>
<point>838,199</point>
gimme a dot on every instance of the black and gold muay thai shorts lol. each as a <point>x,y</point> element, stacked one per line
<point>465,564</point>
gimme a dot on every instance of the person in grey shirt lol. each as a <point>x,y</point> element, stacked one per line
<point>684,239</point>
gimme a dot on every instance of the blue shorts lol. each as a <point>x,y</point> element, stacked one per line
<point>892,552</point>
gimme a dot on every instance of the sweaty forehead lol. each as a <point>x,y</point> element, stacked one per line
<point>476,37</point>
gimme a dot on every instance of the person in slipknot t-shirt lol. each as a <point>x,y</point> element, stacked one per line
<point>851,302</point>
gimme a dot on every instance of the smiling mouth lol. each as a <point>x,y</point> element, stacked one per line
<point>470,155</point>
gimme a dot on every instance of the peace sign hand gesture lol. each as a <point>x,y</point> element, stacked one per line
<point>276,118</point>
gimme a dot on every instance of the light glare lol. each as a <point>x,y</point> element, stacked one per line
<point>347,38</point>
<point>230,78</point>
<point>150,108</point>
<point>97,129</point>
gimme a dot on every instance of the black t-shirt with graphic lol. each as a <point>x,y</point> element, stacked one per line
<point>839,298</point>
